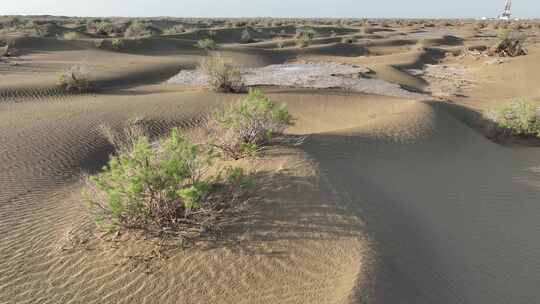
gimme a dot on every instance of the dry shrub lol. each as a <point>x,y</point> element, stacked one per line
<point>125,139</point>
<point>74,79</point>
<point>510,44</point>
<point>222,76</point>
<point>244,127</point>
<point>139,29</point>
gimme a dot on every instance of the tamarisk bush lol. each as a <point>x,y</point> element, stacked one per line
<point>246,126</point>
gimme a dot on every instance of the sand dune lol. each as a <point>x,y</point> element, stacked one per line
<point>389,200</point>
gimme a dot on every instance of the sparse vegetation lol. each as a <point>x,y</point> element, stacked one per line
<point>163,190</point>
<point>72,36</point>
<point>244,127</point>
<point>138,29</point>
<point>117,44</point>
<point>126,138</point>
<point>304,36</point>
<point>222,76</point>
<point>74,79</point>
<point>246,36</point>
<point>516,118</point>
<point>510,44</point>
<point>177,29</point>
<point>206,44</point>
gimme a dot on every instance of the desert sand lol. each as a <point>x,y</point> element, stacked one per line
<point>392,198</point>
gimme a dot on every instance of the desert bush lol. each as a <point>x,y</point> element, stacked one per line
<point>246,37</point>
<point>177,29</point>
<point>74,79</point>
<point>206,44</point>
<point>280,43</point>
<point>510,44</point>
<point>304,36</point>
<point>516,118</point>
<point>163,190</point>
<point>139,29</point>
<point>117,44</point>
<point>71,36</point>
<point>99,43</point>
<point>124,140</point>
<point>222,76</point>
<point>244,127</point>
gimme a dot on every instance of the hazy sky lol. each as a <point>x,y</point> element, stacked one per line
<point>270,8</point>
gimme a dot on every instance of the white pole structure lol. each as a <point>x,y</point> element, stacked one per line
<point>507,14</point>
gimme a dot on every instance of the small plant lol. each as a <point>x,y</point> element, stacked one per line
<point>244,127</point>
<point>516,118</point>
<point>72,36</point>
<point>163,190</point>
<point>280,43</point>
<point>304,36</point>
<point>206,44</point>
<point>222,76</point>
<point>75,79</point>
<point>246,37</point>
<point>99,43</point>
<point>117,44</point>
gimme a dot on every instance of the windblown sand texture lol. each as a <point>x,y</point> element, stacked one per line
<point>393,198</point>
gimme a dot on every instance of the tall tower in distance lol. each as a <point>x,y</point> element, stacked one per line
<point>507,14</point>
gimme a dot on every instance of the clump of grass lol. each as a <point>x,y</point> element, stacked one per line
<point>165,190</point>
<point>72,36</point>
<point>244,127</point>
<point>519,118</point>
<point>74,79</point>
<point>222,76</point>
<point>117,44</point>
<point>206,44</point>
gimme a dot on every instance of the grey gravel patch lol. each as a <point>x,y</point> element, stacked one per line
<point>309,75</point>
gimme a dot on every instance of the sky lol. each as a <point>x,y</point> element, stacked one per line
<point>271,8</point>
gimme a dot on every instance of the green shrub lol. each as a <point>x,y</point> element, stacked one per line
<point>72,36</point>
<point>222,76</point>
<point>74,79</point>
<point>206,44</point>
<point>117,44</point>
<point>161,190</point>
<point>244,127</point>
<point>516,118</point>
